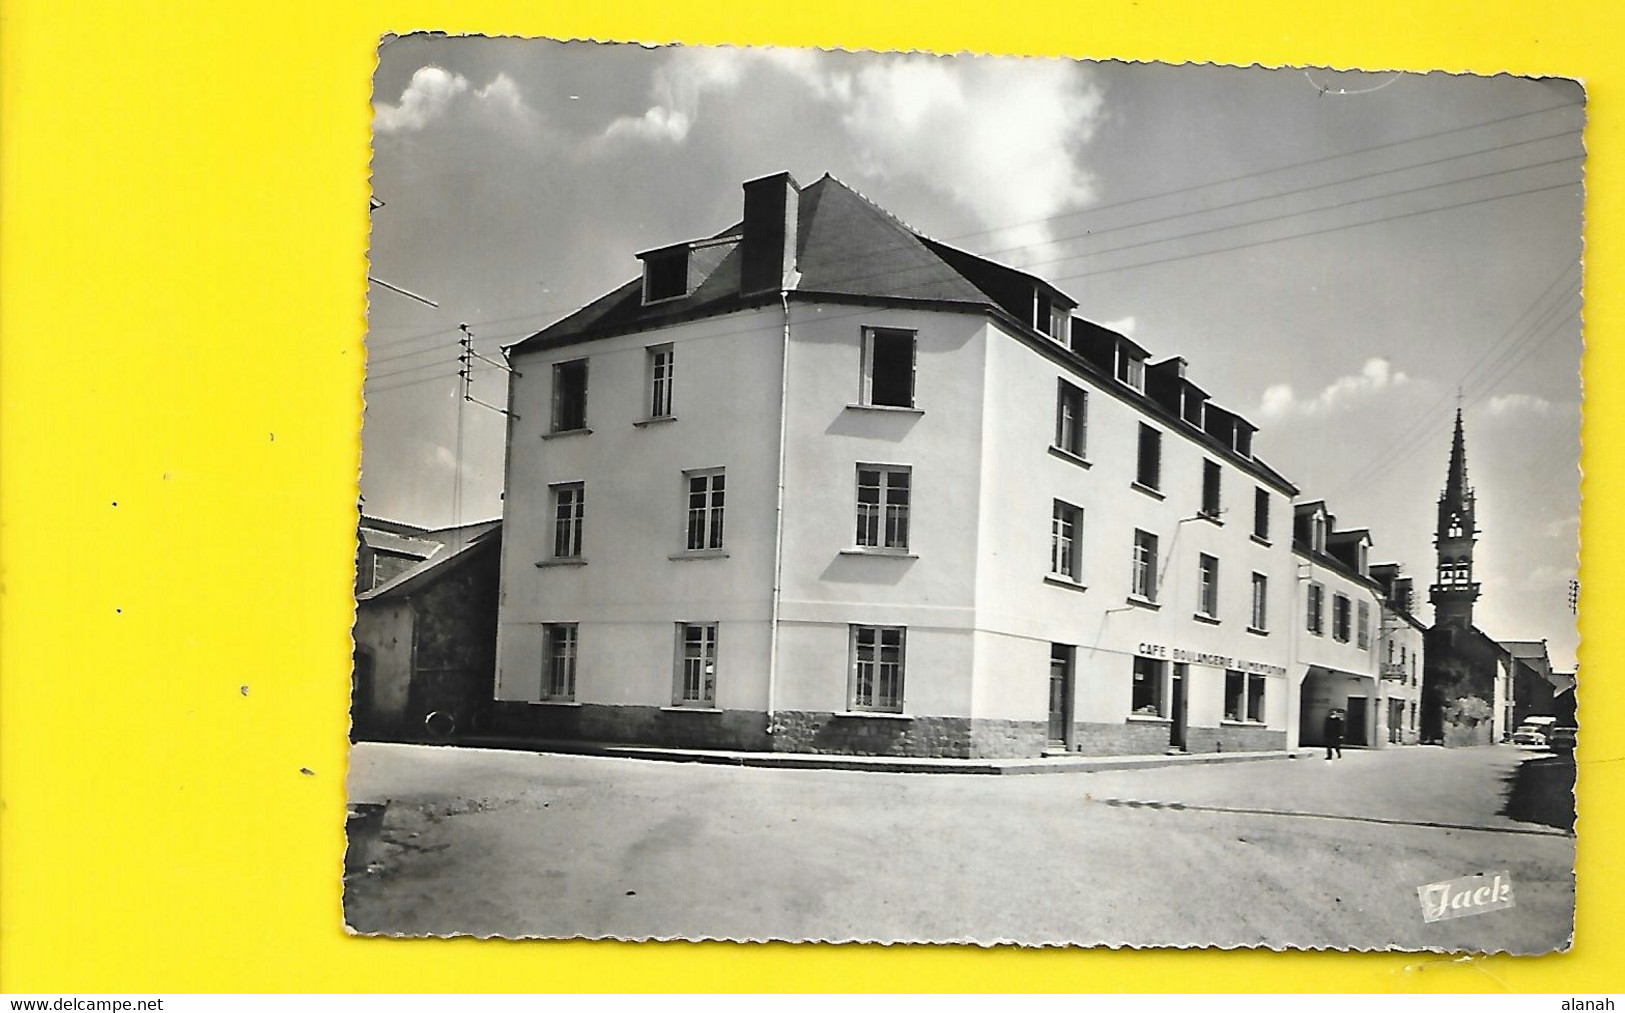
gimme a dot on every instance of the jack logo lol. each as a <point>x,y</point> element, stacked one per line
<point>1469,895</point>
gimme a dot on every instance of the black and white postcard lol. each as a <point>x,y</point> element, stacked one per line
<point>891,497</point>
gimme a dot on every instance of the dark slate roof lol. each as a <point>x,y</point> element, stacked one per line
<point>845,246</point>
<point>481,537</point>
<point>848,247</point>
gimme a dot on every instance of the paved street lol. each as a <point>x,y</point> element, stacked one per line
<point>1272,853</point>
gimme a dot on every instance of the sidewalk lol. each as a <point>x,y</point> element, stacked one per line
<point>1058,764</point>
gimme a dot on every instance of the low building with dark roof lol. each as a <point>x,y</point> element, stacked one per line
<point>425,638</point>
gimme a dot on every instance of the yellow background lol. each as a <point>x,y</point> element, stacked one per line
<point>181,313</point>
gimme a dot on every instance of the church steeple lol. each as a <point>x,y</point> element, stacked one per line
<point>1455,591</point>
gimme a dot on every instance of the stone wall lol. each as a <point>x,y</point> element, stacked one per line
<point>991,737</point>
<point>866,735</point>
<point>856,734</point>
<point>635,725</point>
<point>1121,738</point>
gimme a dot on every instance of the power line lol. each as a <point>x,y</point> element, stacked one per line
<point>1322,232</point>
<point>1432,135</point>
<point>1311,211</point>
<point>1420,422</point>
<point>1297,191</point>
<point>545,310</point>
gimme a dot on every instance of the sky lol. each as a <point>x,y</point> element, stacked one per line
<point>1342,257</point>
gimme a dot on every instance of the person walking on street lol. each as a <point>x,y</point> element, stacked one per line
<point>1334,734</point>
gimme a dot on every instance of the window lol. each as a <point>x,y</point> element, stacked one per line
<point>559,664</point>
<point>665,275</point>
<point>1454,530</point>
<point>1207,585</point>
<point>1192,408</point>
<point>1413,715</point>
<point>1364,626</point>
<point>877,668</point>
<point>1071,419</point>
<point>1241,440</point>
<point>1244,696</point>
<point>1340,618</point>
<point>1065,527</point>
<point>1210,489</point>
<point>888,368</point>
<point>1130,370</point>
<point>1049,318</point>
<point>1255,698</point>
<point>569,508</point>
<point>1317,609</point>
<point>1261,602</point>
<point>1148,471</point>
<point>1145,566</point>
<point>883,506</point>
<point>1455,573</point>
<point>1317,533</point>
<point>696,680</point>
<point>662,359</point>
<point>1401,652</point>
<point>569,396</point>
<point>1147,695</point>
<point>1391,653</point>
<point>706,491</point>
<point>1261,515</point>
<point>1362,558</point>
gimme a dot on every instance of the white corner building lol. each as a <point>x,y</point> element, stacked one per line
<point>819,483</point>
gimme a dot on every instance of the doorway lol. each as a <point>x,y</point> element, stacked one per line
<point>1060,696</point>
<point>1356,726</point>
<point>1176,708</point>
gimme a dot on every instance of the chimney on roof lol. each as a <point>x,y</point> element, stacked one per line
<point>768,248</point>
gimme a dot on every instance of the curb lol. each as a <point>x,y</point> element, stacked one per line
<point>875,764</point>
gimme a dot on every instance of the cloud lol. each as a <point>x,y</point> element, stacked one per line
<point>1563,527</point>
<point>1505,405</point>
<point>434,91</point>
<point>1375,376</point>
<point>425,99</point>
<point>999,137</point>
<point>678,88</point>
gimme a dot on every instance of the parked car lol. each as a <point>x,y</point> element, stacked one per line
<point>1535,732</point>
<point>1561,739</point>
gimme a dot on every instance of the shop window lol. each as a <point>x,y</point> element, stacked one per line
<point>1148,679</point>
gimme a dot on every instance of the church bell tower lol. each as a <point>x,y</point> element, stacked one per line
<point>1455,590</point>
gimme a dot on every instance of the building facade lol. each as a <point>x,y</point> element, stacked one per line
<point>820,483</point>
<point>1401,641</point>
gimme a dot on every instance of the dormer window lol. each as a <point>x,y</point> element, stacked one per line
<point>1241,441</point>
<point>1049,318</point>
<point>1317,533</point>
<point>1191,408</point>
<point>1361,560</point>
<point>1130,370</point>
<point>665,275</point>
